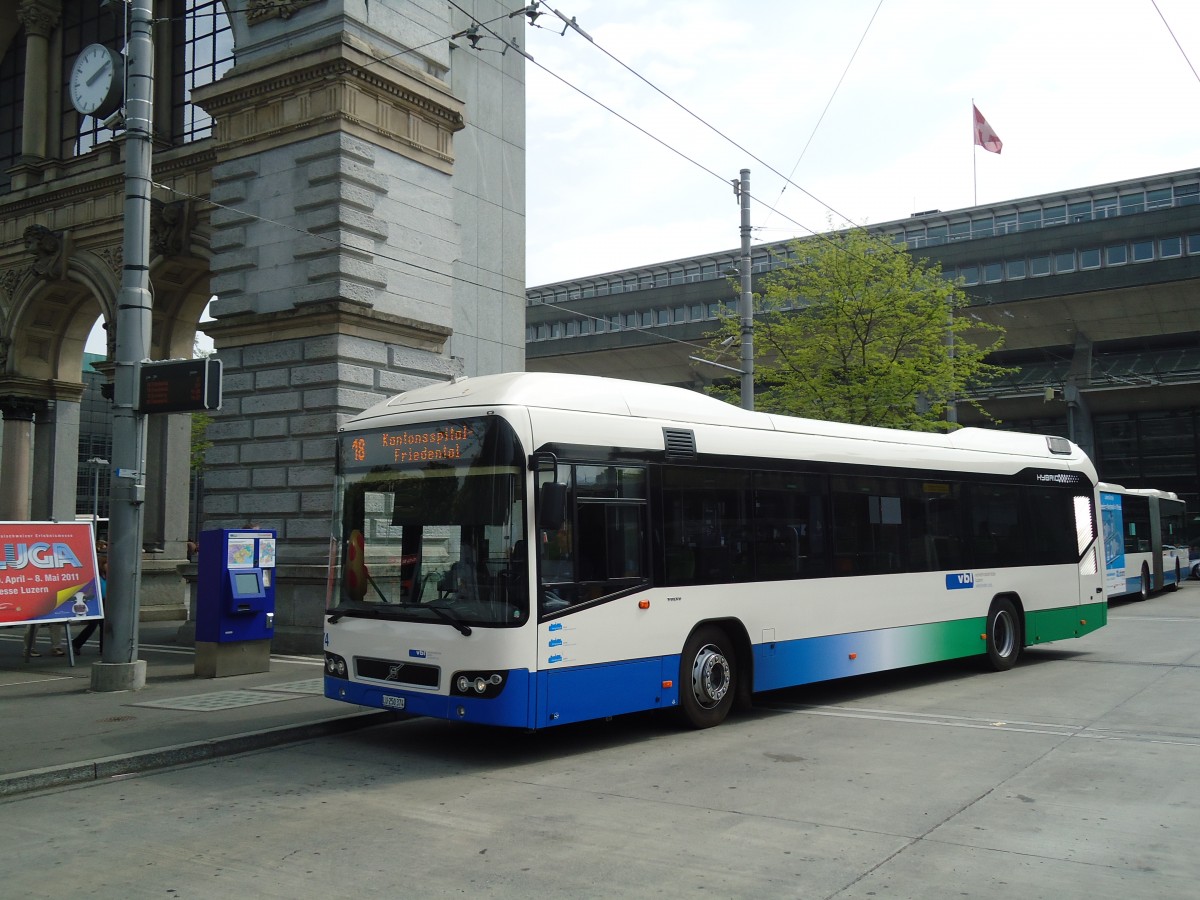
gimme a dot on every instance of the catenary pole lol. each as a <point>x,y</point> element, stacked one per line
<point>120,668</point>
<point>747,304</point>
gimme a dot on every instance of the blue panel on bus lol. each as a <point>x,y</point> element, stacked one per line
<point>512,707</point>
<point>593,692</point>
<point>786,663</point>
<point>956,581</point>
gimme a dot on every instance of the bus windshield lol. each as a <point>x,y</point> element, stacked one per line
<point>430,525</point>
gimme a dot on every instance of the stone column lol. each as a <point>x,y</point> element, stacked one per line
<point>39,18</point>
<point>56,464</point>
<point>15,487</point>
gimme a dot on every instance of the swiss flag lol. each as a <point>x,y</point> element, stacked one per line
<point>985,137</point>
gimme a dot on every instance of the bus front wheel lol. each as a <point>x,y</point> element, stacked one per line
<point>1144,585</point>
<point>707,677</point>
<point>1174,586</point>
<point>1003,635</point>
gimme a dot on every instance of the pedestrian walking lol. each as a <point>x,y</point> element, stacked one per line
<point>86,632</point>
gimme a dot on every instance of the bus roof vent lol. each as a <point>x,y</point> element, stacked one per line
<point>680,443</point>
<point>1059,445</point>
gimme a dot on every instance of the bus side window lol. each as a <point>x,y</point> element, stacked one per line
<point>610,542</point>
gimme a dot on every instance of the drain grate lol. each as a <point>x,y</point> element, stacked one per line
<point>217,700</point>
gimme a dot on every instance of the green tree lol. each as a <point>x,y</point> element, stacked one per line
<point>200,422</point>
<point>872,337</point>
<point>200,441</point>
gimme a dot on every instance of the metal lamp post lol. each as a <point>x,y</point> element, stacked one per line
<point>96,462</point>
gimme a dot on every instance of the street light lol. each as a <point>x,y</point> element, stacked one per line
<point>97,462</point>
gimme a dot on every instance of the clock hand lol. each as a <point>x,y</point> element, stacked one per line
<point>98,72</point>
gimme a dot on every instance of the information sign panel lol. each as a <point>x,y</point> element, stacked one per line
<point>180,385</point>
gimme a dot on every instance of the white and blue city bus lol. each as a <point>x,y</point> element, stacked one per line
<point>535,549</point>
<point>1145,548</point>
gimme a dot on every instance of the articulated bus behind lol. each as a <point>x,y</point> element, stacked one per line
<point>1145,549</point>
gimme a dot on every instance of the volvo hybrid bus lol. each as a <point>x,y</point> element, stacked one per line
<point>1145,549</point>
<point>535,549</point>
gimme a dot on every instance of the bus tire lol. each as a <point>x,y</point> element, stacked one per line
<point>1143,585</point>
<point>707,677</point>
<point>1174,585</point>
<point>1004,635</point>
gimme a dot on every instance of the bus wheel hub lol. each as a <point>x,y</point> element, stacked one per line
<point>710,676</point>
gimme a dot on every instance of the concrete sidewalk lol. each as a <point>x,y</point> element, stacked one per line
<point>57,732</point>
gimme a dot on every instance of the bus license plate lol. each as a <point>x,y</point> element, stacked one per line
<point>390,702</point>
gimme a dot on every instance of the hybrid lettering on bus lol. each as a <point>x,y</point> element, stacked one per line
<point>533,549</point>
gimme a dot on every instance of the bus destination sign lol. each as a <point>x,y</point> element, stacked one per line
<point>451,442</point>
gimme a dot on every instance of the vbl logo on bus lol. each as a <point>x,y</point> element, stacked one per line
<point>958,580</point>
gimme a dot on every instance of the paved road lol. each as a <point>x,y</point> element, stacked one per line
<point>1077,774</point>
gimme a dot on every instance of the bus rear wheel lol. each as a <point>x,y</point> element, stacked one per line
<point>1144,585</point>
<point>1004,635</point>
<point>707,677</point>
<point>1174,585</point>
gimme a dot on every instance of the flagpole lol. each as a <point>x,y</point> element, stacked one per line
<point>974,159</point>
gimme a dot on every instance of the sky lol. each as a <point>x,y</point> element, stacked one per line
<point>1081,93</point>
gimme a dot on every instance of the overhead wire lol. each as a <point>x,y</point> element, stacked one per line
<point>819,235</point>
<point>828,103</point>
<point>1171,32</point>
<point>716,130</point>
<point>336,242</point>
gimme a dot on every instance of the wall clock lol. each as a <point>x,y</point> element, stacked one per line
<point>97,79</point>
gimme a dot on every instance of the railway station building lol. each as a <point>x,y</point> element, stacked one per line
<point>1097,288</point>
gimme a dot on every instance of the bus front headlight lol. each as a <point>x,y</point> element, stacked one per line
<point>477,684</point>
<point>335,666</point>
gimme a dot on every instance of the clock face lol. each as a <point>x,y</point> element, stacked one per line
<point>95,87</point>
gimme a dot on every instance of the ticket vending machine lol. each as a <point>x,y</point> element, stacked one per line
<point>235,601</point>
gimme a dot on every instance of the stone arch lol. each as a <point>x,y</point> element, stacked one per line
<point>181,293</point>
<point>50,318</point>
<point>53,304</point>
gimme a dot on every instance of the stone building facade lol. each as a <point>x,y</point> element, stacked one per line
<point>345,181</point>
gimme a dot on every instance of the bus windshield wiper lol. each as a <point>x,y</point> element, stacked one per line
<point>374,613</point>
<point>449,617</point>
<point>335,615</point>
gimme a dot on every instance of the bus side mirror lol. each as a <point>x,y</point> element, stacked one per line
<point>552,506</point>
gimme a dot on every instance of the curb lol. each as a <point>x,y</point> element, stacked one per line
<point>182,754</point>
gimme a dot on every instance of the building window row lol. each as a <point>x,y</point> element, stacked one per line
<point>1064,262</point>
<point>1060,262</point>
<point>984,225</point>
<point>685,273</point>
<point>629,321</point>
<point>916,235</point>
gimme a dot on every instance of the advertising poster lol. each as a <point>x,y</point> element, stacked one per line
<point>239,552</point>
<point>48,573</point>
<point>1113,526</point>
